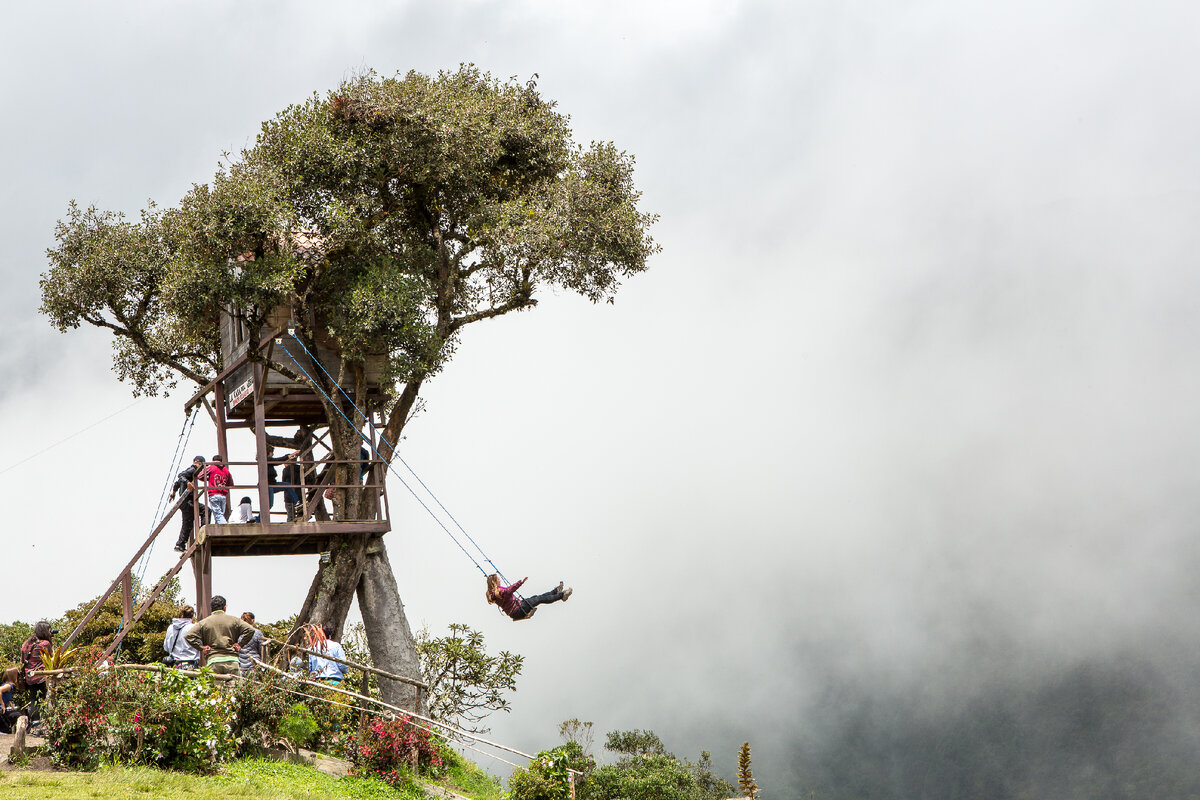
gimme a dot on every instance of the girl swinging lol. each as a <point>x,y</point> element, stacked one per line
<point>520,608</point>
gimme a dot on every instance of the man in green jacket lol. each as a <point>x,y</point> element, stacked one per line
<point>219,637</point>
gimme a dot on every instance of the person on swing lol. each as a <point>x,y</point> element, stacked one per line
<point>520,608</point>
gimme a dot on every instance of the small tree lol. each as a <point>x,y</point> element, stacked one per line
<point>646,769</point>
<point>465,683</point>
<point>577,731</point>
<point>746,783</point>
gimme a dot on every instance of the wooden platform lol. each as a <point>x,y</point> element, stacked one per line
<point>283,538</point>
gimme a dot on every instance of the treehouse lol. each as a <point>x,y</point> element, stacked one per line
<point>252,393</point>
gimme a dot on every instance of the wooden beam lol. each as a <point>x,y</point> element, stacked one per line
<point>145,604</point>
<point>128,567</point>
<point>126,599</point>
<point>389,675</point>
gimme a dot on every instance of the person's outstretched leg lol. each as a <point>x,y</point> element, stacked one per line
<point>552,596</point>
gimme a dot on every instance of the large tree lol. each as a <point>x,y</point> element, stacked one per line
<point>388,214</point>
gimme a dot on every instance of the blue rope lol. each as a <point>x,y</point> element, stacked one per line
<point>181,443</point>
<point>396,454</point>
<point>377,455</point>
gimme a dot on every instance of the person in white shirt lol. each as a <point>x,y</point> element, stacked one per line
<point>245,512</point>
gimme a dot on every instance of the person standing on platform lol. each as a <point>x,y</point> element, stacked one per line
<point>186,483</point>
<point>291,486</point>
<point>219,479</point>
<point>219,637</point>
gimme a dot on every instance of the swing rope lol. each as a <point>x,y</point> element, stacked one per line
<point>391,469</point>
<point>396,455</point>
<point>181,443</point>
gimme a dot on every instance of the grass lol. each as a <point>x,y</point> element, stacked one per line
<point>466,778</point>
<point>262,780</point>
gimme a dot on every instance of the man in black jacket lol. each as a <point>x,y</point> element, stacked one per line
<point>186,483</point>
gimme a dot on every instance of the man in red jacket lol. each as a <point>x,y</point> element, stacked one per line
<point>219,479</point>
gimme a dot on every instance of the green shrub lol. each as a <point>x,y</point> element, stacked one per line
<point>547,777</point>
<point>183,723</point>
<point>299,727</point>
<point>259,708</point>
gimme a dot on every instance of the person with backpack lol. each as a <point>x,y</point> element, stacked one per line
<point>39,642</point>
<point>180,654</point>
<point>517,607</point>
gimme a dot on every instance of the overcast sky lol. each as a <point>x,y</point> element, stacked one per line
<point>908,398</point>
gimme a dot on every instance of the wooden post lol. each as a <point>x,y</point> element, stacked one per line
<point>202,567</point>
<point>365,690</point>
<point>126,599</point>
<point>17,752</point>
<point>260,441</point>
<point>219,407</point>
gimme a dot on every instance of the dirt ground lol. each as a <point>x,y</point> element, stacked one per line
<point>38,763</point>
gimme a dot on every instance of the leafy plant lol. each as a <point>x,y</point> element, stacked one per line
<point>646,770</point>
<point>12,636</point>
<point>465,683</point>
<point>546,778</point>
<point>259,708</point>
<point>746,784</point>
<point>58,657</point>
<point>298,727</point>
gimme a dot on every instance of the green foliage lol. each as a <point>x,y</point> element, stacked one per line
<point>578,731</point>
<point>259,708</point>
<point>75,723</point>
<point>298,727</point>
<point>465,683</point>
<point>387,215</point>
<point>143,643</point>
<point>635,743</point>
<point>546,778</point>
<point>646,771</point>
<point>12,636</point>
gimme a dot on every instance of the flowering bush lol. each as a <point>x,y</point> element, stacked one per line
<point>185,723</point>
<point>74,726</point>
<point>389,749</point>
<point>168,721</point>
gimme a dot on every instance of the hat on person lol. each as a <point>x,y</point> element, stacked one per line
<point>198,458</point>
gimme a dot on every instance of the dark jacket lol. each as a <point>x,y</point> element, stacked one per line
<point>182,481</point>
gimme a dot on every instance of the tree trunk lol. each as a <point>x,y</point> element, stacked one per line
<point>388,634</point>
<point>333,586</point>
